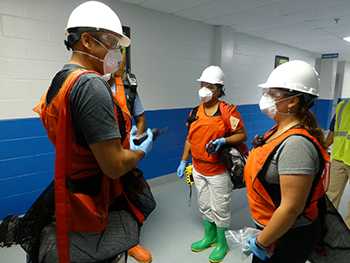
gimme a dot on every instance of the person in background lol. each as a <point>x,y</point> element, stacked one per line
<point>284,171</point>
<point>330,135</point>
<point>126,96</point>
<point>340,165</point>
<point>215,123</point>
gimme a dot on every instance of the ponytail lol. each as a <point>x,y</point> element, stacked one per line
<point>309,122</point>
<point>306,117</point>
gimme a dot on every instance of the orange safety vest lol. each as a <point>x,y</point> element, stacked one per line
<point>202,131</point>
<point>119,98</point>
<point>260,202</point>
<point>76,212</point>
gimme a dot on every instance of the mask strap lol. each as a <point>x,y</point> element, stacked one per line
<point>87,54</point>
<point>286,113</point>
<point>99,42</point>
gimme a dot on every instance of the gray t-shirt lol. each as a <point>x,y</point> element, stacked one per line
<point>92,108</point>
<point>297,155</point>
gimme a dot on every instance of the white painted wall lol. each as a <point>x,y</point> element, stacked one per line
<point>346,81</point>
<point>328,73</point>
<point>168,54</point>
<point>247,61</point>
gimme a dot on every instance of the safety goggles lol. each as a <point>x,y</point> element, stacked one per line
<point>212,87</point>
<point>107,40</point>
<point>275,93</point>
<point>279,95</point>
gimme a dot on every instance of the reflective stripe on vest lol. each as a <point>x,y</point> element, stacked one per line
<point>341,145</point>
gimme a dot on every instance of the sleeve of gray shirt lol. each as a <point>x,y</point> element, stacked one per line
<point>93,110</point>
<point>138,107</point>
<point>298,155</point>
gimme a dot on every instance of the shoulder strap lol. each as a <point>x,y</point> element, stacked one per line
<point>274,190</point>
<point>225,115</point>
<point>121,121</point>
<point>130,93</point>
<point>193,117</point>
<point>121,96</point>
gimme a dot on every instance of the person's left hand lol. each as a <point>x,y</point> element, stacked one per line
<point>218,143</point>
<point>257,250</point>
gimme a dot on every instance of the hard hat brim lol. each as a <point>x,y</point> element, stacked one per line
<point>205,80</point>
<point>267,85</point>
<point>264,85</point>
<point>124,41</point>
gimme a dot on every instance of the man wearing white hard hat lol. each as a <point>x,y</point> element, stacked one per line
<point>96,219</point>
<point>286,171</point>
<point>218,124</point>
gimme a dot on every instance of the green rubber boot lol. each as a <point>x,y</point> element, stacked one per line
<point>221,248</point>
<point>208,239</point>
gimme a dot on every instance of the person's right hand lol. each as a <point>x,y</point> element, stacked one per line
<point>145,146</point>
<point>181,169</point>
<point>259,251</point>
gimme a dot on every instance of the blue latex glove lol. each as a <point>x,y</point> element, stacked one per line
<point>218,143</point>
<point>133,131</point>
<point>181,169</point>
<point>257,250</point>
<point>146,146</point>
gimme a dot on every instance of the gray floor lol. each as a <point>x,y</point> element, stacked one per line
<point>174,225</point>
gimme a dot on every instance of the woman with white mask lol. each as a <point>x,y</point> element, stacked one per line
<point>287,169</point>
<point>212,124</point>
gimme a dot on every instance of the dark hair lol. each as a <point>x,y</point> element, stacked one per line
<point>306,117</point>
<point>74,35</point>
<point>221,90</point>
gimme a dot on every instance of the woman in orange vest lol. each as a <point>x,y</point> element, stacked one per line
<point>215,123</point>
<point>287,170</point>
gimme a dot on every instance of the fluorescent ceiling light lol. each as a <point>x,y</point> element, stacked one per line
<point>346,39</point>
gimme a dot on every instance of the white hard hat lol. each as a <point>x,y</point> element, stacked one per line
<point>97,15</point>
<point>294,75</point>
<point>212,75</point>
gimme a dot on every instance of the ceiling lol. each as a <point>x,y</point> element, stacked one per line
<point>314,25</point>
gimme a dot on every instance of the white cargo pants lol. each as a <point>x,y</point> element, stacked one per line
<point>214,197</point>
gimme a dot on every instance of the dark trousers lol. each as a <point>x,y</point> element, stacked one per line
<point>296,245</point>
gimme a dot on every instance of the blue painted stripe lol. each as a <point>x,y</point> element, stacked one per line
<point>27,156</point>
<point>21,128</point>
<point>18,204</point>
<point>168,147</point>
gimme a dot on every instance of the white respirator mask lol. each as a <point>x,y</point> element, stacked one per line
<point>205,94</point>
<point>268,105</point>
<point>111,61</point>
